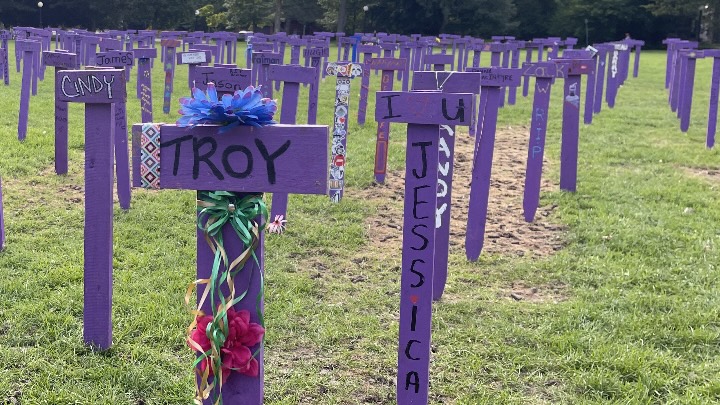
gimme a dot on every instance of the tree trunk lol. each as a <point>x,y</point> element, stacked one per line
<point>342,16</point>
<point>278,14</point>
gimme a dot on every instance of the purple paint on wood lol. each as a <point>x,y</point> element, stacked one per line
<point>98,248</point>
<point>526,79</point>
<point>239,389</point>
<point>482,168</point>
<point>570,131</point>
<point>227,80</point>
<point>90,86</point>
<point>600,77</point>
<point>388,66</point>
<point>28,49</point>
<point>713,108</point>
<point>544,73</point>
<point>261,64</point>
<point>436,108</point>
<point>116,59</point>
<point>367,51</point>
<point>438,61</point>
<point>613,78</point>
<point>61,61</point>
<point>421,175</point>
<point>689,83</point>
<point>292,76</point>
<point>4,65</point>
<point>145,86</point>
<point>170,46</point>
<point>192,58</point>
<point>514,63</point>
<point>243,159</point>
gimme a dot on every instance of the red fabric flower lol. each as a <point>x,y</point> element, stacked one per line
<point>235,352</point>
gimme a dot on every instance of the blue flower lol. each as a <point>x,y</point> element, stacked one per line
<point>245,107</point>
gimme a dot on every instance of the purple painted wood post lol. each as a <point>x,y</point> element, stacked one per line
<point>491,80</point>
<point>90,48</point>
<point>690,60</point>
<point>572,69</point>
<point>614,75</point>
<point>675,83</point>
<point>515,64</point>
<point>292,77</point>
<point>345,72</point>
<point>438,61</point>
<point>447,82</point>
<point>169,45</point>
<point>290,172</point>
<point>669,61</point>
<point>714,89</point>
<point>424,113</point>
<point>61,61</point>
<point>98,89</point>
<point>510,48</point>
<point>636,63</point>
<point>193,59</point>
<point>295,45</point>
<point>526,79</point>
<point>387,66</point>
<point>588,53</point>
<point>4,59</point>
<point>261,64</point>
<point>600,76</point>
<point>544,73</point>
<point>120,60</point>
<point>227,79</point>
<point>404,75</point>
<point>144,80</point>
<point>28,49</point>
<point>554,47</point>
<point>367,51</point>
<point>570,42</point>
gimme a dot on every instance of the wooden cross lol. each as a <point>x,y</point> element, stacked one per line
<point>388,66</point>
<point>668,63</point>
<point>61,60</point>
<point>261,64</point>
<point>4,57</point>
<point>424,113</point>
<point>588,53</point>
<point>571,70</point>
<point>603,50</point>
<point>169,47</point>
<point>28,49</point>
<point>293,76</point>
<point>438,61</point>
<point>144,80</point>
<point>615,73</point>
<point>690,57</point>
<point>714,89</point>
<point>491,81</point>
<point>98,89</point>
<point>90,44</point>
<point>515,64</point>
<point>192,58</point>
<point>227,80</point>
<point>344,72</point>
<point>368,51</point>
<point>544,73</point>
<point>244,159</point>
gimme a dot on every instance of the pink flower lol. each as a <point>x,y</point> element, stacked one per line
<point>235,354</point>
<point>278,225</point>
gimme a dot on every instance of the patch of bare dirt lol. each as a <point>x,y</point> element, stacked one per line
<point>711,175</point>
<point>520,291</point>
<point>507,233</point>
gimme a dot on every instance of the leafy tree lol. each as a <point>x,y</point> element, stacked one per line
<point>244,14</point>
<point>302,11</point>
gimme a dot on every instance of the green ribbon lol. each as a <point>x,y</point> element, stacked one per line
<point>215,210</point>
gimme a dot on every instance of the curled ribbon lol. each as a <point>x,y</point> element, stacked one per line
<point>215,210</point>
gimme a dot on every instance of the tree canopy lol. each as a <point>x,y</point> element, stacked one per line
<point>651,20</point>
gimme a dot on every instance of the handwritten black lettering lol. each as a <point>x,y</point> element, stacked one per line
<point>197,144</point>
<point>270,158</point>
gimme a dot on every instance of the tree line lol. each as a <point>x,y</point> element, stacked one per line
<point>594,20</point>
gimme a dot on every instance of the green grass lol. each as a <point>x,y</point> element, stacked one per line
<point>640,324</point>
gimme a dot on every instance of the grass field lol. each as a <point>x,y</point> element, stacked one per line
<point>637,321</point>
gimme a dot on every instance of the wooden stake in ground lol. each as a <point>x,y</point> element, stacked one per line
<point>169,48</point>
<point>144,80</point>
<point>4,56</point>
<point>544,73</point>
<point>424,113</point>
<point>193,59</point>
<point>29,50</point>
<point>714,89</point>
<point>244,159</point>
<point>292,77</point>
<point>61,61</point>
<point>571,70</point>
<point>686,106</point>
<point>387,66</point>
<point>367,51</point>
<point>261,64</point>
<point>345,72</point>
<point>98,90</point>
